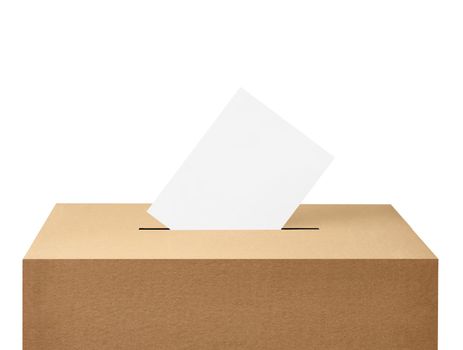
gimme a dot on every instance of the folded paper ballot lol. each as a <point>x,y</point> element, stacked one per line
<point>250,171</point>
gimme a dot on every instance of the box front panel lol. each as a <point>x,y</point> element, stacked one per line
<point>230,304</point>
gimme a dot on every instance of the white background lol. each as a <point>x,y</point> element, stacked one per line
<point>101,101</point>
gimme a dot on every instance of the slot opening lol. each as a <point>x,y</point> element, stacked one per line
<point>283,229</point>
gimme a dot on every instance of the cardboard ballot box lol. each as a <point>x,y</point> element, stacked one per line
<point>106,276</point>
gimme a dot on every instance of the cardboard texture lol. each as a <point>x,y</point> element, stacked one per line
<point>363,280</point>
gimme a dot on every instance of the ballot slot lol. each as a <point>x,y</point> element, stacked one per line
<point>283,229</point>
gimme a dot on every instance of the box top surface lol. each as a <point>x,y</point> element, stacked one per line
<point>111,231</point>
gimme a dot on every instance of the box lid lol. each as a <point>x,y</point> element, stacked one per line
<point>112,231</point>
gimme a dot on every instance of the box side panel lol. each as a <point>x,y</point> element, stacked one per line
<point>230,304</point>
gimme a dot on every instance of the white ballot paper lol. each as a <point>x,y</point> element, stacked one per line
<point>250,171</point>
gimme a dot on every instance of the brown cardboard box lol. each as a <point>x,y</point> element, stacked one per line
<point>363,280</point>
